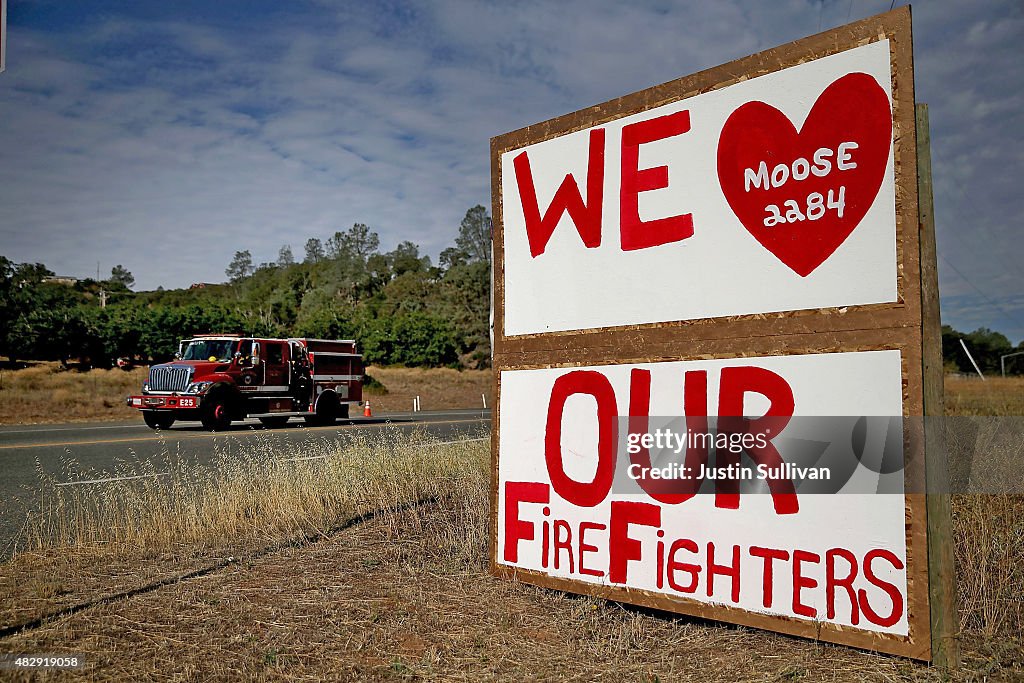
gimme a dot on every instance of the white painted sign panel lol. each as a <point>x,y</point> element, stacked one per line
<point>563,511</point>
<point>772,194</point>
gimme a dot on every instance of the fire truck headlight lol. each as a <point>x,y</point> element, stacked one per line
<point>145,387</point>
<point>198,387</point>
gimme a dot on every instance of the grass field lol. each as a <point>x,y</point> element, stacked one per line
<point>437,388</point>
<point>994,396</point>
<point>46,393</point>
<point>278,585</point>
<point>368,562</point>
<point>43,392</point>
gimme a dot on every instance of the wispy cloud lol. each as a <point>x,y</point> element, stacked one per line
<point>164,136</point>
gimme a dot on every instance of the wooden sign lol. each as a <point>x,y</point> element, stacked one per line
<point>736,247</point>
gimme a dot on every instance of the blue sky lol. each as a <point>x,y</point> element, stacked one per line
<point>164,136</point>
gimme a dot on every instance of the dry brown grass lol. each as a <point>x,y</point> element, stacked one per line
<point>406,595</point>
<point>110,537</point>
<point>45,393</point>
<point>989,545</point>
<point>264,495</point>
<point>995,396</point>
<point>393,600</point>
<point>437,388</point>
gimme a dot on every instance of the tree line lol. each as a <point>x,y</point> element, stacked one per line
<point>399,307</point>
<point>986,346</point>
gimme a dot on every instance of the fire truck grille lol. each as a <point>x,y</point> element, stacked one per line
<point>169,378</point>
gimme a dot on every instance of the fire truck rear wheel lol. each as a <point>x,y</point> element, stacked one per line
<point>327,411</point>
<point>216,413</point>
<point>158,420</point>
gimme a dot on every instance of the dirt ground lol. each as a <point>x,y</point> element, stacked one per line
<point>388,600</point>
<point>406,596</point>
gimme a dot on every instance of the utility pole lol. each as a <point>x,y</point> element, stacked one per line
<point>3,35</point>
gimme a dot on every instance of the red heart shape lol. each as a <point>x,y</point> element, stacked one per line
<point>759,146</point>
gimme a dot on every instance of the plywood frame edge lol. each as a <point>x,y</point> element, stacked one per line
<point>917,645</point>
<point>813,630</point>
<point>902,319</point>
<point>893,26</point>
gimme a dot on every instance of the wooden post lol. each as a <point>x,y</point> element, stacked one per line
<point>942,597</point>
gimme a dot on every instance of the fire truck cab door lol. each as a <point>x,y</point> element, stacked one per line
<point>275,365</point>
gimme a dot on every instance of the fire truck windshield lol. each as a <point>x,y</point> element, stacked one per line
<point>206,349</point>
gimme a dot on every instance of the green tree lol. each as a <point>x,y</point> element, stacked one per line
<point>119,275</point>
<point>240,266</point>
<point>466,301</point>
<point>285,257</point>
<point>400,308</point>
<point>405,258</point>
<point>358,243</point>
<point>451,257</point>
<point>424,339</point>
<point>474,238</point>
<point>314,250</point>
<point>8,307</point>
<point>25,291</point>
<point>986,347</point>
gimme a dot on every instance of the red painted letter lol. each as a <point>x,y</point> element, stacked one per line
<point>598,386</point>
<point>767,575</point>
<point>622,548</point>
<point>800,582</point>
<point>587,548</point>
<point>517,492</point>
<point>567,199</point>
<point>730,570</point>
<point>695,401</point>
<point>832,582</point>
<point>735,383</point>
<point>674,566</point>
<point>891,590</point>
<point>635,233</point>
<point>563,543</point>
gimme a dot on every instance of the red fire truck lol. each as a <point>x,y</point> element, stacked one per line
<point>220,378</point>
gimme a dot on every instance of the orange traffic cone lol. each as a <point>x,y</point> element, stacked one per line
<point>366,410</point>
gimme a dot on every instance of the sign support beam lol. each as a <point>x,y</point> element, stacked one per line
<point>945,622</point>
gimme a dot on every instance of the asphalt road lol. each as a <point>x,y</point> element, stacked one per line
<point>80,454</point>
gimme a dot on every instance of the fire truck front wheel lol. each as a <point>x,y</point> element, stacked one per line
<point>215,413</point>
<point>156,420</point>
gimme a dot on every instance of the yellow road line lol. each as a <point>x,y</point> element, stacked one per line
<point>178,436</point>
